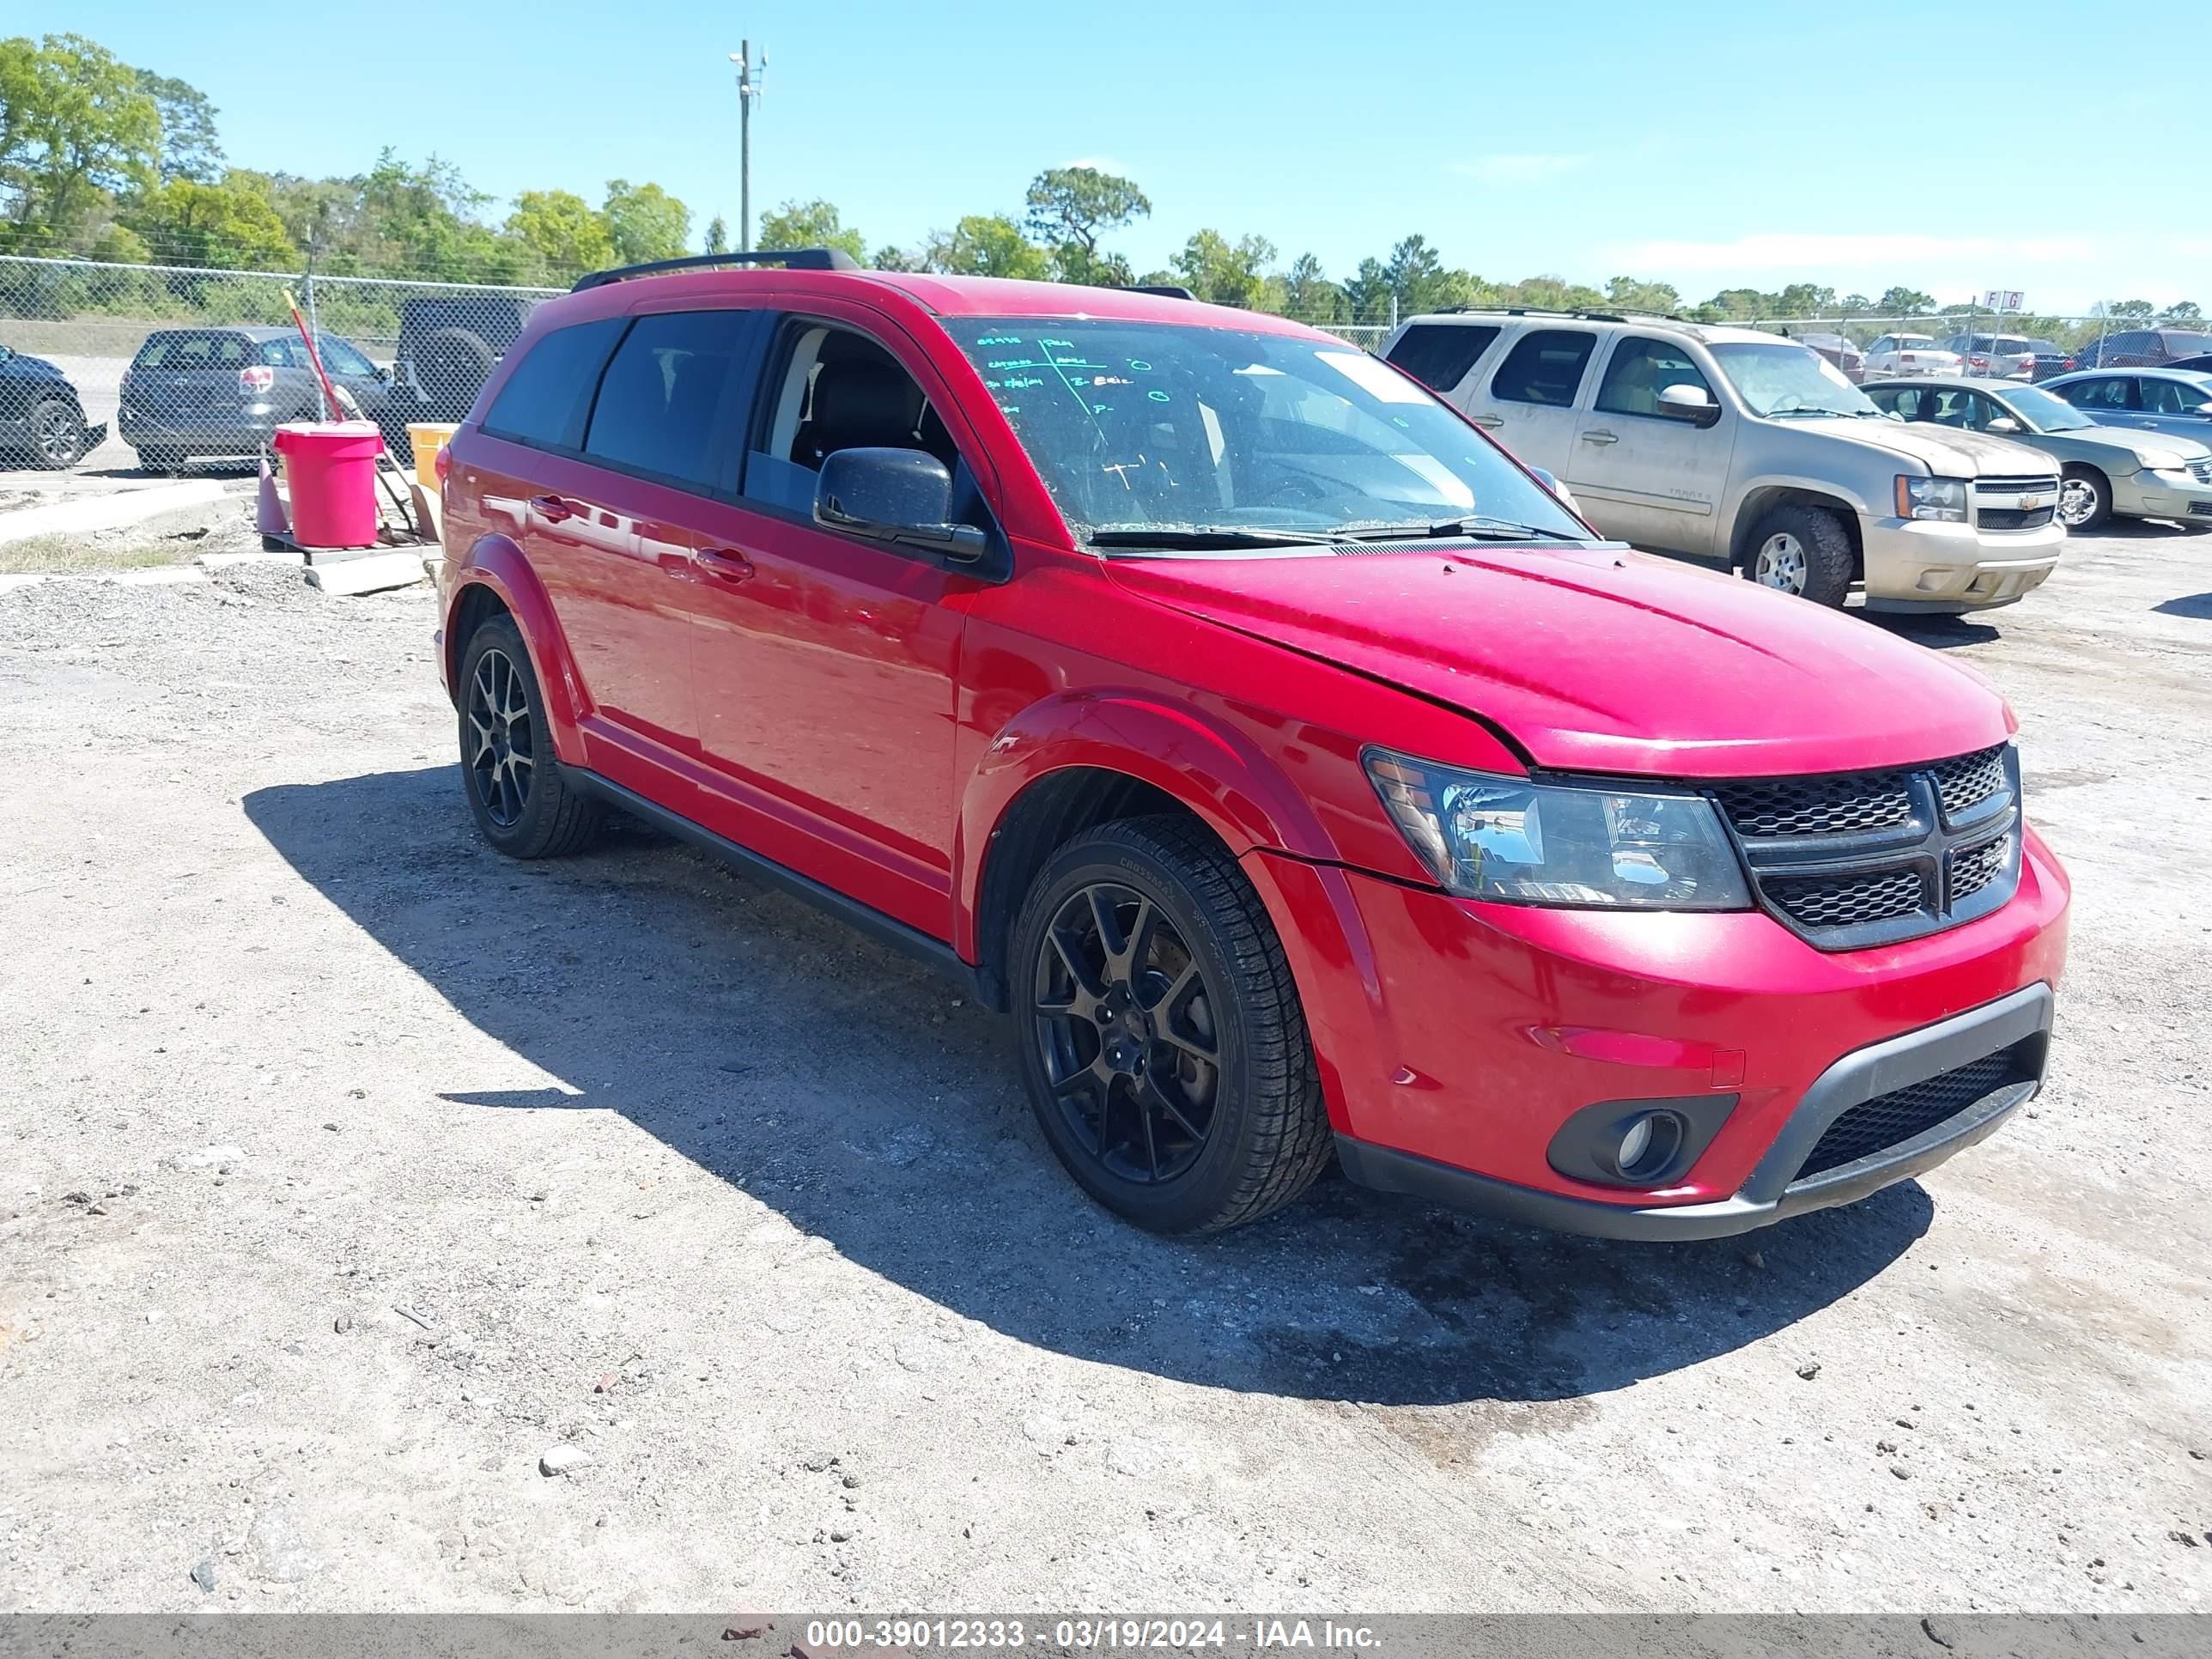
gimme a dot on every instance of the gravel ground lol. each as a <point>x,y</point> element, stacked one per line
<point>354,1178</point>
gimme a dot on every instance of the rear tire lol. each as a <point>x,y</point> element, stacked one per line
<point>2085,499</point>
<point>524,804</point>
<point>1163,1043</point>
<point>1803,551</point>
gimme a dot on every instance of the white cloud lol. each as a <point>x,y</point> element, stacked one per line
<point>1801,253</point>
<point>1509,170</point>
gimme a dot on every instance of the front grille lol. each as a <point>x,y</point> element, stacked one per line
<point>2011,518</point>
<point>1970,869</point>
<point>2201,471</point>
<point>1848,900</point>
<point>1817,806</point>
<point>1851,860</point>
<point>2012,486</point>
<point>1964,783</point>
<point>1889,1120</point>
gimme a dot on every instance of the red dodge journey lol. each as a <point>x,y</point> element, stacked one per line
<point>1297,770</point>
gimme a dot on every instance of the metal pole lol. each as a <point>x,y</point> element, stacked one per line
<point>749,88</point>
<point>315,333</point>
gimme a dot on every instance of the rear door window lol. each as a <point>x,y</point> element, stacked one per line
<point>546,400</point>
<point>1545,367</point>
<point>1439,355</point>
<point>667,399</point>
<point>188,351</point>
<point>2113,391</point>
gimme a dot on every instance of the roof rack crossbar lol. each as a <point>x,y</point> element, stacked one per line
<point>790,258</point>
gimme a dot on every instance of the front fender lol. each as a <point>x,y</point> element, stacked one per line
<point>1206,764</point>
<point>494,562</point>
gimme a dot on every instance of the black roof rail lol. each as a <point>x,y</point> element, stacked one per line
<point>790,258</point>
<point>1165,290</point>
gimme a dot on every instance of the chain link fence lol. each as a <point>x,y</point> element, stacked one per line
<point>164,368</point>
<point>167,367</point>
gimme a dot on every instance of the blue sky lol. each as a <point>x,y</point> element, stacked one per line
<point>1942,145</point>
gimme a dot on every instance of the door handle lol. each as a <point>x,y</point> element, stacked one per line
<point>1599,435</point>
<point>1486,419</point>
<point>725,564</point>
<point>551,507</point>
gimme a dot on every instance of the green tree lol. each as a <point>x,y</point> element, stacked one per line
<point>811,224</point>
<point>718,236</point>
<point>645,223</point>
<point>2184,312</point>
<point>1225,272</point>
<point>75,131</point>
<point>421,221</point>
<point>561,229</point>
<point>1631,294</point>
<point>985,244</point>
<point>190,223</point>
<point>190,147</point>
<point>1905,302</point>
<point>1309,296</point>
<point>1069,209</point>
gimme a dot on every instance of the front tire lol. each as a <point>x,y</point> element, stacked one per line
<point>523,802</point>
<point>1163,1043</point>
<point>2085,499</point>
<point>1803,551</point>
<point>56,434</point>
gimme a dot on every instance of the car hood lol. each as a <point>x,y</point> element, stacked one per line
<point>2151,448</point>
<point>34,367</point>
<point>1601,659</point>
<point>1945,451</point>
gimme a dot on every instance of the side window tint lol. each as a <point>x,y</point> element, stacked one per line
<point>340,358</point>
<point>1640,370</point>
<point>1439,355</point>
<point>2167,397</point>
<point>1544,367</point>
<point>837,389</point>
<point>661,404</point>
<point>545,399</point>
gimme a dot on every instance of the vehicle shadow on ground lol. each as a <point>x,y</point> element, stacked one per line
<point>2195,605</point>
<point>850,1091</point>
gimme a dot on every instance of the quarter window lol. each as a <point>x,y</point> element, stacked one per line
<point>547,396</point>
<point>1439,355</point>
<point>1640,370</point>
<point>1544,367</point>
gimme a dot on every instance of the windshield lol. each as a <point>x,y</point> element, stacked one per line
<point>1145,427</point>
<point>1781,381</point>
<point>2045,412</point>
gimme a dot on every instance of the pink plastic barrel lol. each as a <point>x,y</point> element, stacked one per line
<point>330,471</point>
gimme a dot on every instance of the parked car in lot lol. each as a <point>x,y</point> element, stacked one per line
<point>2143,348</point>
<point>1299,776</point>
<point>1999,357</point>
<point>2103,471</point>
<point>1748,449</point>
<point>2177,401</point>
<point>192,393</point>
<point>448,344</point>
<point>1910,353</point>
<point>2195,365</point>
<point>41,416</point>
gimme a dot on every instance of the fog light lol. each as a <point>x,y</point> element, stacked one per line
<point>1648,1148</point>
<point>1634,1145</point>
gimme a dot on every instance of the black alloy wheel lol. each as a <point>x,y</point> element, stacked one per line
<point>504,765</point>
<point>58,435</point>
<point>1124,1019</point>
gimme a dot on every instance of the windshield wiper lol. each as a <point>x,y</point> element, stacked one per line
<point>1201,536</point>
<point>1475,529</point>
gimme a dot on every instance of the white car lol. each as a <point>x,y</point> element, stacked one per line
<point>1909,354</point>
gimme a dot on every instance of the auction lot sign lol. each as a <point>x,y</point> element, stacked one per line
<point>1071,1635</point>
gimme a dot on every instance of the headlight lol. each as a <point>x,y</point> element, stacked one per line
<point>1522,843</point>
<point>1941,499</point>
<point>2171,474</point>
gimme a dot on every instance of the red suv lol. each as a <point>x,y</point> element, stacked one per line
<point>1300,774</point>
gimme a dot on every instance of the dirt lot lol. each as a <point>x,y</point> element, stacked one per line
<point>349,1172</point>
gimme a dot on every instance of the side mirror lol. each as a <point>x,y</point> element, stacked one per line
<point>2004,424</point>
<point>896,495</point>
<point>2204,410</point>
<point>383,374</point>
<point>1551,482</point>
<point>1689,403</point>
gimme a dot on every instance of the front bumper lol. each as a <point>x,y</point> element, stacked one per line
<point>1456,1038</point>
<point>2146,496</point>
<point>1918,565</point>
